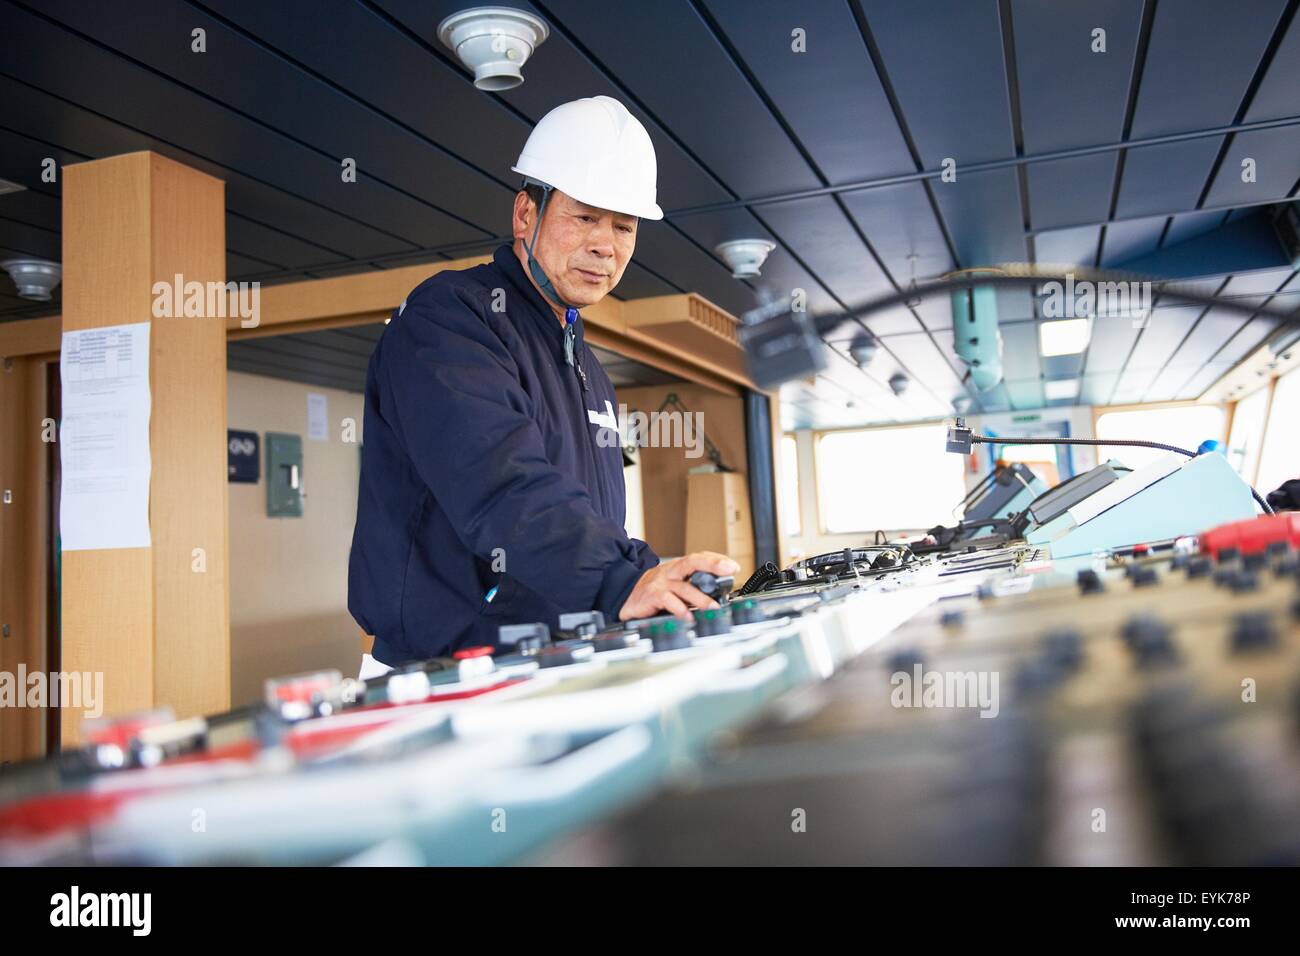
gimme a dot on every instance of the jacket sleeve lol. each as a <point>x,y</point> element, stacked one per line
<point>467,424</point>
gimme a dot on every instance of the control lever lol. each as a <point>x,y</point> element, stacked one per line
<point>524,638</point>
<point>714,586</point>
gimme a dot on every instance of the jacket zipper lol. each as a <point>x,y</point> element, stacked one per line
<point>571,356</point>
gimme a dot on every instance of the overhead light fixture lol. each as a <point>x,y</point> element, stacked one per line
<point>863,348</point>
<point>1065,337</point>
<point>7,187</point>
<point>35,278</point>
<point>1060,389</point>
<point>898,382</point>
<point>494,42</point>
<point>745,257</point>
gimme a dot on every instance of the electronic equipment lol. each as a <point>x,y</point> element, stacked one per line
<point>876,705</point>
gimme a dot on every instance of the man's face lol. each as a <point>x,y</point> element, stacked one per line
<point>583,249</point>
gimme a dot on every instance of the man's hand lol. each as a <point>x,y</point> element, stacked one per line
<point>665,588</point>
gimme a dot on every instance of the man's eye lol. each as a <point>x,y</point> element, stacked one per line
<point>627,229</point>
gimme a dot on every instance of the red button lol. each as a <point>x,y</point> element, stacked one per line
<point>466,653</point>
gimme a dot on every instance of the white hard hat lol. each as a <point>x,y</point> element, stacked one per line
<point>597,152</point>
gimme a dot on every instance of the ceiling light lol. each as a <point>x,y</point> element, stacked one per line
<point>1067,337</point>
<point>863,348</point>
<point>35,278</point>
<point>1061,389</point>
<point>7,187</point>
<point>899,382</point>
<point>494,42</point>
<point>745,256</point>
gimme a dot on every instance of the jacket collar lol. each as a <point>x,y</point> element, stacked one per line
<point>505,260</point>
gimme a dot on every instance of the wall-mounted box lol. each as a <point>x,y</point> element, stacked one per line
<point>283,475</point>
<point>243,458</point>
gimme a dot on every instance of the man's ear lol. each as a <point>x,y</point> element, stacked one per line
<point>522,216</point>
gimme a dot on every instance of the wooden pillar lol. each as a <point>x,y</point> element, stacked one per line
<point>155,621</point>
<point>24,530</point>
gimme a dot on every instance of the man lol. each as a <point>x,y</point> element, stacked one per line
<point>487,494</point>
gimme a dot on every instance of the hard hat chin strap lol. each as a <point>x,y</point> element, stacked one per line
<point>534,267</point>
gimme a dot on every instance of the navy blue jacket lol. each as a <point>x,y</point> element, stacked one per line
<point>479,450</point>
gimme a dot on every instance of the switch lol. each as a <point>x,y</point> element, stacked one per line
<point>283,475</point>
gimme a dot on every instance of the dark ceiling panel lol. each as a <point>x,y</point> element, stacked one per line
<point>982,211</point>
<point>1199,64</point>
<point>1056,65</point>
<point>557,73</point>
<point>1276,95</point>
<point>1166,178</point>
<point>29,240</point>
<point>821,235</point>
<point>1130,239</point>
<point>43,54</point>
<point>1192,224</point>
<point>899,222</point>
<point>849,137</point>
<point>708,103</point>
<point>78,134</point>
<point>664,250</point>
<point>270,90</point>
<point>344,41</point>
<point>1276,155</point>
<point>953,94</point>
<point>1066,192</point>
<point>1076,246</point>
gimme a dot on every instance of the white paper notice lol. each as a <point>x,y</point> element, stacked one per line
<point>104,439</point>
<point>318,428</point>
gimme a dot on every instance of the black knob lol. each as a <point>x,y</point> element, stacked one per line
<point>1253,631</point>
<point>1144,576</point>
<point>557,655</point>
<point>1149,638</point>
<point>710,622</point>
<point>524,638</point>
<point>711,584</point>
<point>1244,582</point>
<point>1064,648</point>
<point>582,623</point>
<point>1255,562</point>
<point>747,611</point>
<point>904,659</point>
<point>669,636</point>
<point>1090,582</point>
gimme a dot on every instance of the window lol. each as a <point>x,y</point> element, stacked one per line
<point>1280,459</point>
<point>1185,426</point>
<point>887,478</point>
<point>1040,459</point>
<point>1248,433</point>
<point>788,494</point>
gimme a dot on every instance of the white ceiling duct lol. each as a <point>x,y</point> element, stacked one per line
<point>494,42</point>
<point>35,278</point>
